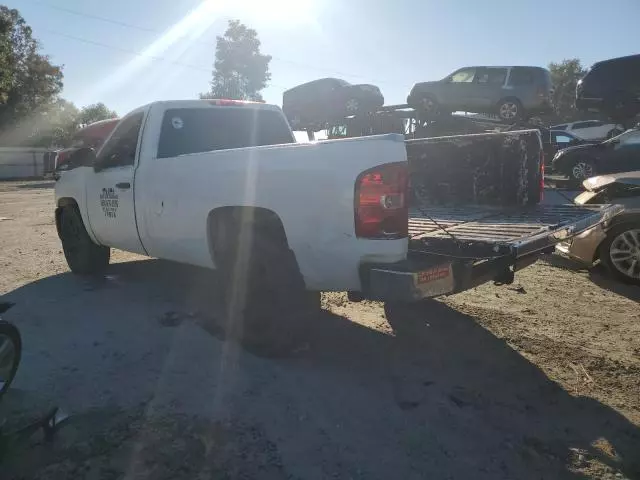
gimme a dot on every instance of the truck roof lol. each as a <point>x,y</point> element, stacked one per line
<point>215,102</point>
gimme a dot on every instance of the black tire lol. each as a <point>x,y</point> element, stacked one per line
<point>586,166</point>
<point>604,252</point>
<point>406,319</point>
<point>267,304</point>
<point>612,133</point>
<point>427,106</point>
<point>510,110</point>
<point>352,106</point>
<point>11,332</point>
<point>295,120</point>
<point>82,254</point>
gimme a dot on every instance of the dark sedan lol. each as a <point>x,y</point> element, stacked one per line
<point>618,154</point>
<point>314,104</point>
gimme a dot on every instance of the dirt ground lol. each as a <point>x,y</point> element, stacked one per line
<point>537,380</point>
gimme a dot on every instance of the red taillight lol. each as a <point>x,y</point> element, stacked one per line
<point>381,209</point>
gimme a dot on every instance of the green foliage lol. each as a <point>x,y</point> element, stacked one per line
<point>240,70</point>
<point>29,83</point>
<point>31,112</point>
<point>62,119</point>
<point>565,76</point>
<point>94,113</point>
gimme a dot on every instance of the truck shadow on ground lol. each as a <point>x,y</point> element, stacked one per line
<point>441,396</point>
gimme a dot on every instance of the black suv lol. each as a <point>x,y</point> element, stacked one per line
<point>612,87</point>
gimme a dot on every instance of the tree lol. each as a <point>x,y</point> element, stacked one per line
<point>29,83</point>
<point>94,113</point>
<point>56,125</point>
<point>240,69</point>
<point>565,76</point>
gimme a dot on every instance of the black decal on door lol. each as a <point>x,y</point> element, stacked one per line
<point>109,202</point>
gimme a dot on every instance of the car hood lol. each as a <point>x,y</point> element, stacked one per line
<point>425,84</point>
<point>574,148</point>
<point>595,184</point>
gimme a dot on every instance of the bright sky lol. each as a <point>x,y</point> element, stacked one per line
<point>126,53</point>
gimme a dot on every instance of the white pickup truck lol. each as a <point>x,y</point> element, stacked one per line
<point>223,185</point>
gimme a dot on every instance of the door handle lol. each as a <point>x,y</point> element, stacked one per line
<point>123,185</point>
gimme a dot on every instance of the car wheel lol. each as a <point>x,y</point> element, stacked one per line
<point>620,252</point>
<point>352,106</point>
<point>296,121</point>
<point>427,105</point>
<point>510,110</point>
<point>10,351</point>
<point>82,254</point>
<point>580,171</point>
<point>614,132</point>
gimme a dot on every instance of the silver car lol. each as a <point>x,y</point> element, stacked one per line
<point>617,243</point>
<point>512,93</point>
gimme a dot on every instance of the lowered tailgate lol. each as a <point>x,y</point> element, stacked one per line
<point>452,249</point>
<point>480,232</point>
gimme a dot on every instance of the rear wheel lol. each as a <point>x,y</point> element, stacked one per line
<point>267,303</point>
<point>10,352</point>
<point>428,106</point>
<point>82,254</point>
<point>620,252</point>
<point>295,121</point>
<point>408,318</point>
<point>614,132</point>
<point>580,171</point>
<point>352,106</point>
<point>510,110</point>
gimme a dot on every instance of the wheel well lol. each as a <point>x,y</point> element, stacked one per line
<point>631,219</point>
<point>504,99</point>
<point>62,203</point>
<point>258,219</point>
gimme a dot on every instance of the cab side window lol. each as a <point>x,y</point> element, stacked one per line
<point>120,149</point>
<point>492,76</point>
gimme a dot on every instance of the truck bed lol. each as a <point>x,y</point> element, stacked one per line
<point>477,231</point>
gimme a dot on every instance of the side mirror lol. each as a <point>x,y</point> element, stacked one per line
<point>83,157</point>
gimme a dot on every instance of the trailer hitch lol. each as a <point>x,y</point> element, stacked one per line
<point>505,277</point>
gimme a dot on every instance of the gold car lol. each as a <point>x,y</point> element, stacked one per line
<point>616,243</point>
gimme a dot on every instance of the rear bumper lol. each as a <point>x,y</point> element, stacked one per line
<point>416,279</point>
